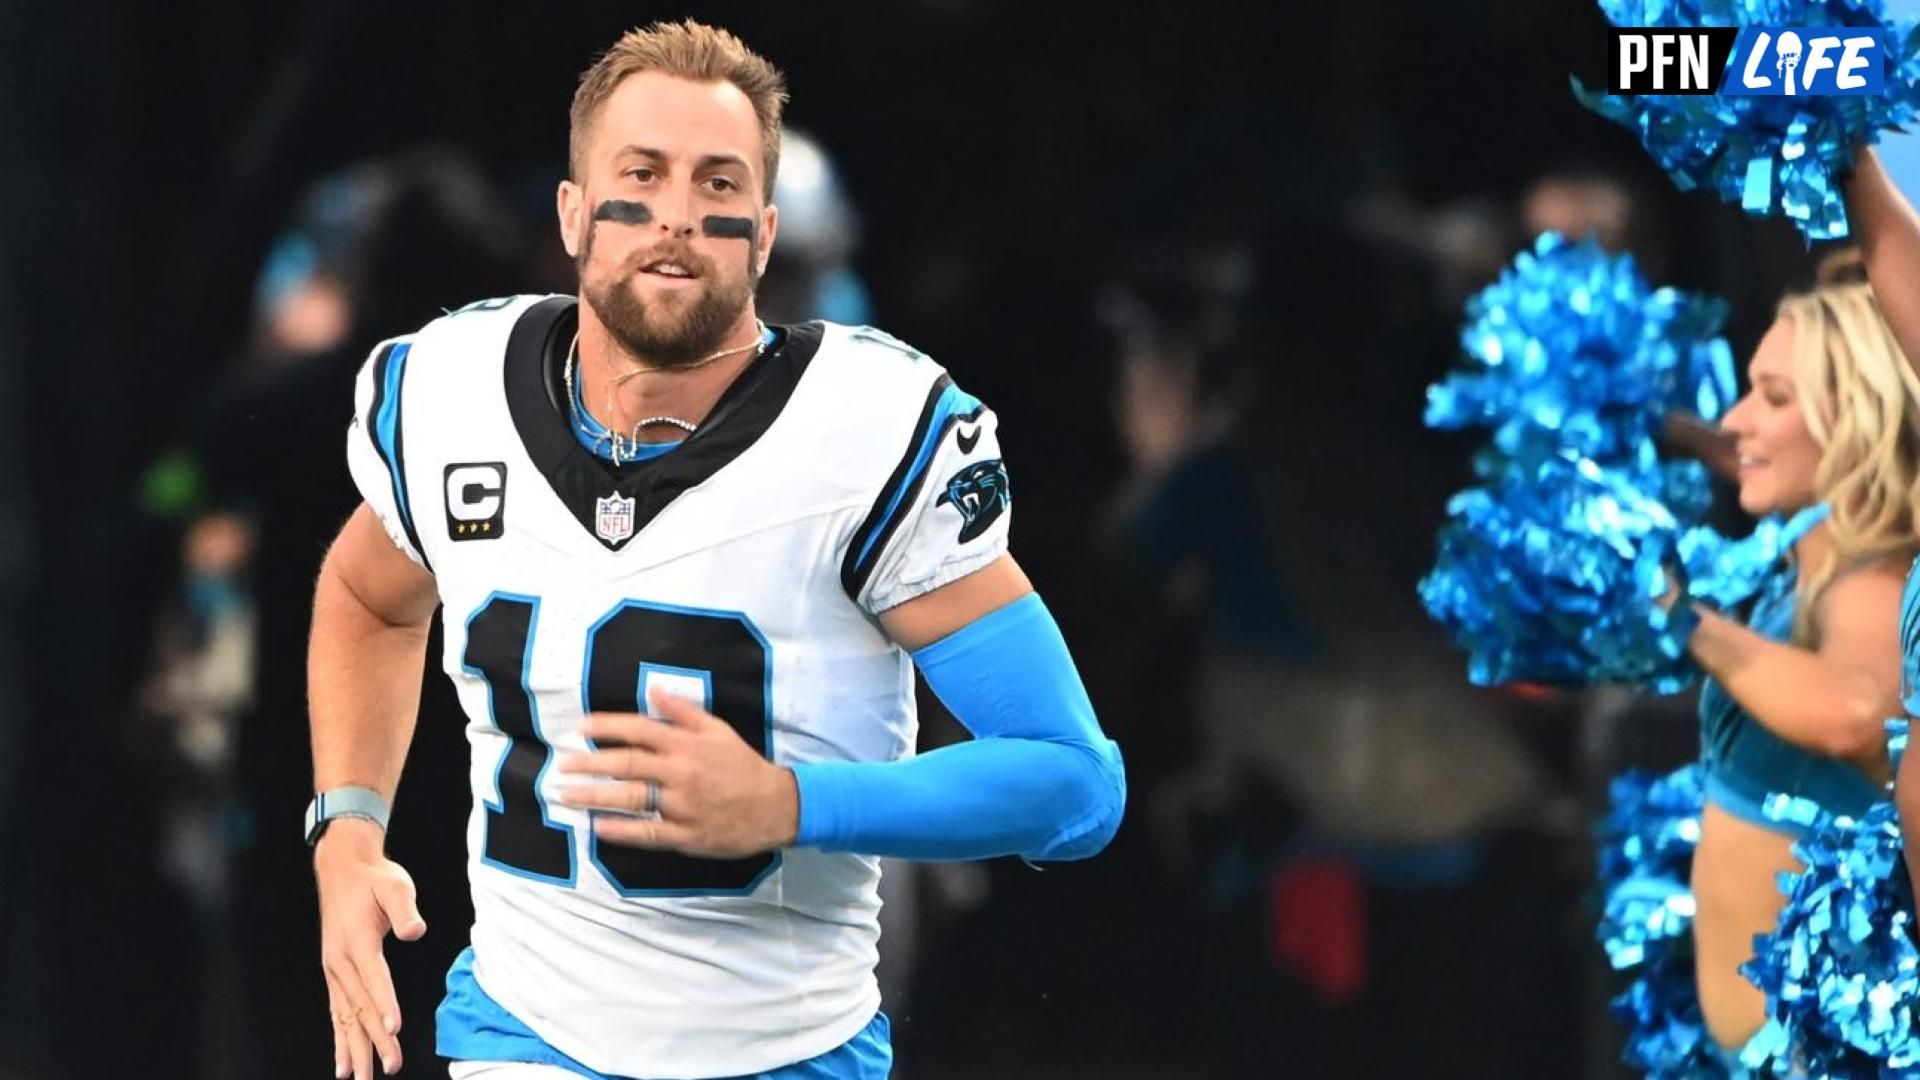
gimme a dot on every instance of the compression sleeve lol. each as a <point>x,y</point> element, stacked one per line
<point>1039,779</point>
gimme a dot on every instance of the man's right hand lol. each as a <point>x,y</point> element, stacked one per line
<point>363,895</point>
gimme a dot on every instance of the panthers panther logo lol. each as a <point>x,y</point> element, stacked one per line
<point>981,493</point>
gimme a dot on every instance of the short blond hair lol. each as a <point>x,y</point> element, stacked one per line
<point>686,50</point>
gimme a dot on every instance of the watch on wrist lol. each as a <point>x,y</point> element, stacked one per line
<point>344,802</point>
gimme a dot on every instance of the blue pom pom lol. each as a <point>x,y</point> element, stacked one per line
<point>1840,970</point>
<point>1723,572</point>
<point>1646,858</point>
<point>1555,574</point>
<point>1572,350</point>
<point>1553,570</point>
<point>1775,156</point>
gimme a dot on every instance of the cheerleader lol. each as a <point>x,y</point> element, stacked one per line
<point>1798,693</point>
<point>1887,229</point>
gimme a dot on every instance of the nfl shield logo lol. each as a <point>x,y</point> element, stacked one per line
<point>613,518</point>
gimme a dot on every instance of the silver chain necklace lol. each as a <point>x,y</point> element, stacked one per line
<point>627,449</point>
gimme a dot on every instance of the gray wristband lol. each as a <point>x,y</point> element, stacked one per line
<point>344,802</point>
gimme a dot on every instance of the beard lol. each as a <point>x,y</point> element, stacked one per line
<point>676,331</point>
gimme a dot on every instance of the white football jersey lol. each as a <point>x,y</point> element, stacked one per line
<point>841,474</point>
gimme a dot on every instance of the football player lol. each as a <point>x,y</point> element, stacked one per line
<point>688,565</point>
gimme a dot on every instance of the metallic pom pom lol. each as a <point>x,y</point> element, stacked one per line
<point>1840,970</point>
<point>1558,573</point>
<point>1775,156</point>
<point>1572,350</point>
<point>1646,857</point>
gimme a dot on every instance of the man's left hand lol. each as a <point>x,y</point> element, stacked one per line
<point>709,793</point>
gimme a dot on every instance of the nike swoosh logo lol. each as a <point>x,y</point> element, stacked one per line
<point>967,439</point>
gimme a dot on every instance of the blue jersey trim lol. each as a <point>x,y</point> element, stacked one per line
<point>597,439</point>
<point>953,401</point>
<point>590,433</point>
<point>389,376</point>
<point>945,404</point>
<point>471,1026</point>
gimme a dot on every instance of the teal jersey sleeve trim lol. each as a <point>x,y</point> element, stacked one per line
<point>389,377</point>
<point>945,402</point>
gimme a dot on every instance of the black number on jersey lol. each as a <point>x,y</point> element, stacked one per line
<point>632,642</point>
<point>520,838</point>
<point>723,649</point>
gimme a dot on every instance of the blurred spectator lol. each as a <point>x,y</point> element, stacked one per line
<point>1465,241</point>
<point>376,251</point>
<point>199,689</point>
<point>1581,199</point>
<point>1460,245</point>
<point>810,274</point>
<point>202,682</point>
<point>1579,204</point>
<point>1314,769</point>
<point>1186,518</point>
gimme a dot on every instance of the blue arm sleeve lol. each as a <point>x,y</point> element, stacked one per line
<point>1038,779</point>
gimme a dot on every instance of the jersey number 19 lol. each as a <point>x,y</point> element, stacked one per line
<point>634,641</point>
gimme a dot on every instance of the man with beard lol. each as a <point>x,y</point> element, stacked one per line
<point>689,564</point>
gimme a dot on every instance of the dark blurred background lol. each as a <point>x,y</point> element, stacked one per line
<point>1201,259</point>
